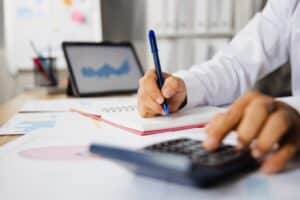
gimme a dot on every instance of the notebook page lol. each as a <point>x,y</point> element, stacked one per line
<point>133,120</point>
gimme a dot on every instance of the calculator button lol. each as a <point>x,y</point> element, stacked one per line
<point>213,160</point>
<point>186,151</point>
<point>193,149</point>
<point>174,142</point>
<point>191,143</point>
<point>202,159</point>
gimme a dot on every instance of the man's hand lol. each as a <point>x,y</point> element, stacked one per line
<point>269,127</point>
<point>150,97</point>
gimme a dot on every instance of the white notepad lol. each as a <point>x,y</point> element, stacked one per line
<point>128,118</point>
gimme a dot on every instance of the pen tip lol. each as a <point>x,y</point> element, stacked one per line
<point>166,110</point>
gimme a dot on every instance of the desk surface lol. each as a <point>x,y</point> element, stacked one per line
<point>97,179</point>
<point>10,108</point>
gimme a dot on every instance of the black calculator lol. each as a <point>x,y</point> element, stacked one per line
<point>183,161</point>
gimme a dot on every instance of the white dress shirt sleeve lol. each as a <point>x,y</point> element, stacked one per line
<point>260,48</point>
<point>292,101</point>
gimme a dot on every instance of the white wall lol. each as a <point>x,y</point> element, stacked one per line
<point>1,25</point>
<point>7,84</point>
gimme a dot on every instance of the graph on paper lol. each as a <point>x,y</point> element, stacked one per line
<point>28,123</point>
<point>30,126</point>
<point>106,70</point>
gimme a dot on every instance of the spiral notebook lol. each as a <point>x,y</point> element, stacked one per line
<point>126,117</point>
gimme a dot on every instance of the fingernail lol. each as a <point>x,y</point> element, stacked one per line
<point>210,143</point>
<point>159,100</point>
<point>256,153</point>
<point>240,145</point>
<point>268,169</point>
<point>206,128</point>
<point>167,92</point>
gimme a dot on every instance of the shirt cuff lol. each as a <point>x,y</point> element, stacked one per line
<point>292,101</point>
<point>195,91</point>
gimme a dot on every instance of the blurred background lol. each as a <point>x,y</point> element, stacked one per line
<point>189,32</point>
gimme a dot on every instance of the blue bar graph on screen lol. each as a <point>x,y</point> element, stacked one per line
<point>106,70</point>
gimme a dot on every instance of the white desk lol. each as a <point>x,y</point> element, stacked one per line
<point>23,178</point>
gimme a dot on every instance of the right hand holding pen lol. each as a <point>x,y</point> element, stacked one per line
<point>150,97</point>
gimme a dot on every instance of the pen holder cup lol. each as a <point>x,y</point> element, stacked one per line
<point>45,72</point>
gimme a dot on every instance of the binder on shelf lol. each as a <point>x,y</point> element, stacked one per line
<point>156,15</point>
<point>171,16</point>
<point>185,15</point>
<point>200,51</point>
<point>167,54</point>
<point>201,16</point>
<point>184,53</point>
<point>213,6</point>
<point>226,16</point>
<point>243,13</point>
<point>217,45</point>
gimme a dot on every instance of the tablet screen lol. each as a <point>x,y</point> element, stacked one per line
<point>103,68</point>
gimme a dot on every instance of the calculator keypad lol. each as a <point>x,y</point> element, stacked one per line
<point>194,150</point>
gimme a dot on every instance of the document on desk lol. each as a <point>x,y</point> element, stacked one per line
<point>60,105</point>
<point>26,123</point>
<point>65,105</point>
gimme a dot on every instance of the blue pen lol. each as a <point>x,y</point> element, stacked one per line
<point>160,78</point>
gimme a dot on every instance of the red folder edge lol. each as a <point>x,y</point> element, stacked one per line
<point>135,131</point>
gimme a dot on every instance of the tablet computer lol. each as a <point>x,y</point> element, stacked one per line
<point>102,68</point>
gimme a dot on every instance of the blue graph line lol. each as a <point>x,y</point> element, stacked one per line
<point>106,70</point>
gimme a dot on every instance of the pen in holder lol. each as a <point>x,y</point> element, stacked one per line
<point>45,73</point>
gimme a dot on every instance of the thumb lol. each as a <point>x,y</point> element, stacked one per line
<point>170,87</point>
